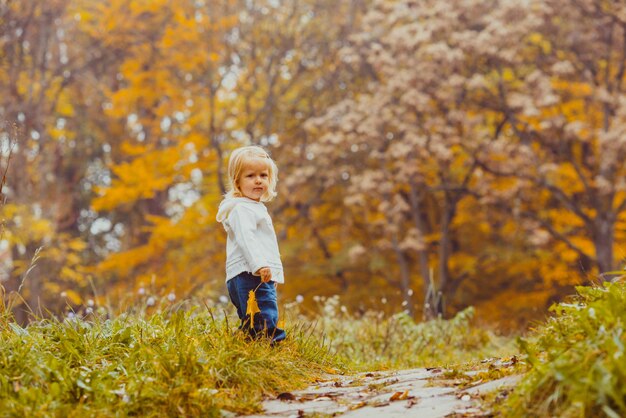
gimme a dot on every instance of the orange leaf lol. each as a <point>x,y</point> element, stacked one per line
<point>399,396</point>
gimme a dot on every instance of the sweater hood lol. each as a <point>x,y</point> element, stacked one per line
<point>229,203</point>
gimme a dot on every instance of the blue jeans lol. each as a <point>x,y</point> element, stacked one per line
<point>266,321</point>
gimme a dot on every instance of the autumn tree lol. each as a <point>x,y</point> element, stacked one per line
<point>38,67</point>
<point>251,81</point>
<point>399,143</point>
<point>469,105</point>
<point>558,87</point>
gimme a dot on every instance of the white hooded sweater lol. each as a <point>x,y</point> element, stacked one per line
<point>251,242</point>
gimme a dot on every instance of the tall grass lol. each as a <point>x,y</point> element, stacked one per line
<point>376,341</point>
<point>577,360</point>
<point>182,360</point>
<point>178,363</point>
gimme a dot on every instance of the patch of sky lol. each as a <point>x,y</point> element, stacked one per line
<point>179,116</point>
<point>230,80</point>
<point>269,140</point>
<point>100,225</point>
<point>184,193</point>
<point>284,72</point>
<point>196,176</point>
<point>166,124</point>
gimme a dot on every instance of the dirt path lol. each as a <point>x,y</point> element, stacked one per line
<point>408,393</point>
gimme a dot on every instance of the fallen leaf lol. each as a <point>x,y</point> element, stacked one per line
<point>286,396</point>
<point>399,396</point>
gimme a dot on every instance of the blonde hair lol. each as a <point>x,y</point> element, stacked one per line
<point>236,162</point>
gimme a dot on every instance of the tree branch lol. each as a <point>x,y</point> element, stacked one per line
<point>557,235</point>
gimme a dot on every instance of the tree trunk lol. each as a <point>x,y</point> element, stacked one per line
<point>405,276</point>
<point>603,236</point>
<point>444,247</point>
<point>447,214</point>
<point>416,212</point>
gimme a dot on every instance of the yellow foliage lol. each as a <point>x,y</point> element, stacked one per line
<point>77,244</point>
<point>73,296</point>
<point>575,88</point>
<point>521,307</point>
<point>564,220</point>
<point>508,75</point>
<point>25,227</point>
<point>52,287</point>
<point>139,179</point>
<point>133,149</point>
<point>566,178</point>
<point>538,39</point>
<point>123,263</point>
<point>71,275</point>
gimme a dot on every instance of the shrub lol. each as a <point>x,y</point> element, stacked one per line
<point>577,363</point>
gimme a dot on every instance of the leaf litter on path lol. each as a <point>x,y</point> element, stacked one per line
<point>406,393</point>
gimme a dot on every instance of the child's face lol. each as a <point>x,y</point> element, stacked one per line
<point>254,179</point>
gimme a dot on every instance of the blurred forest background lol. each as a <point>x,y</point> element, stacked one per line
<point>471,149</point>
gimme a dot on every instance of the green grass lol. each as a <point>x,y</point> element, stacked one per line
<point>183,360</point>
<point>375,341</point>
<point>577,360</point>
<point>183,363</point>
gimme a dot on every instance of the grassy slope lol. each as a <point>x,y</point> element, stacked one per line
<point>187,363</point>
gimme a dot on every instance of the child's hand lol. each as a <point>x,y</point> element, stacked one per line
<point>266,274</point>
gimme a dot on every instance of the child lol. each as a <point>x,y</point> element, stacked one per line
<point>252,255</point>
